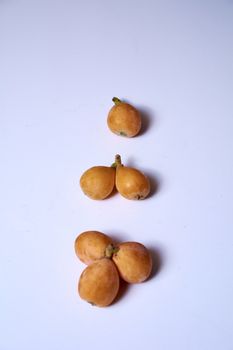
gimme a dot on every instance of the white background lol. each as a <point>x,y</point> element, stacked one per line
<point>61,62</point>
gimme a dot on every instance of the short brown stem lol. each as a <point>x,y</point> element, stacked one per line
<point>116,100</point>
<point>118,160</point>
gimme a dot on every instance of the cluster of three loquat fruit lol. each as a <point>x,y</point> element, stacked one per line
<point>107,261</point>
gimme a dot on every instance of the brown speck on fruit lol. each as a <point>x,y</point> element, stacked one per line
<point>138,197</point>
<point>92,304</point>
<point>122,133</point>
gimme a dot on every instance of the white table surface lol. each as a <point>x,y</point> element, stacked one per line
<point>61,62</point>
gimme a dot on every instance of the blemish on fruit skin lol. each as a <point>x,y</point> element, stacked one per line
<point>122,133</point>
<point>139,197</point>
<point>90,302</point>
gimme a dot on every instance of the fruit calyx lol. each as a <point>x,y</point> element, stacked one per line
<point>110,250</point>
<point>116,100</point>
<point>91,302</point>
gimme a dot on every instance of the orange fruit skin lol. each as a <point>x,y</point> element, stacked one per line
<point>91,245</point>
<point>99,283</point>
<point>125,120</point>
<point>133,261</point>
<point>132,183</point>
<point>98,182</point>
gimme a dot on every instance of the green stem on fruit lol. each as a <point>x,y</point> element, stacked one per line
<point>116,100</point>
<point>117,161</point>
<point>110,250</point>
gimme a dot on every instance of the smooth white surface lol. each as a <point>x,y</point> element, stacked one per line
<point>61,62</point>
